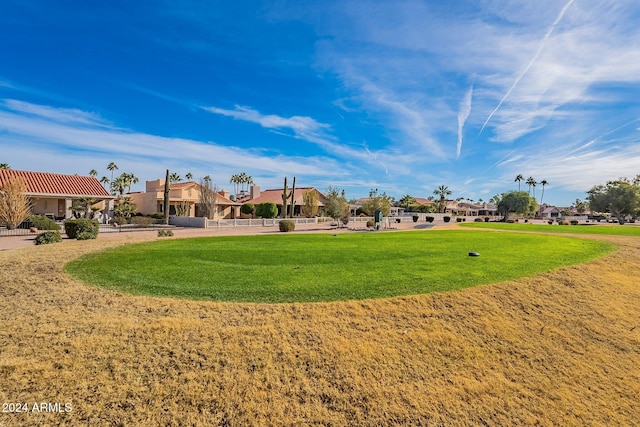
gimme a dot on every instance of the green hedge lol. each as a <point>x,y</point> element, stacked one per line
<point>82,229</point>
<point>267,210</point>
<point>42,222</point>
<point>48,237</point>
<point>287,225</point>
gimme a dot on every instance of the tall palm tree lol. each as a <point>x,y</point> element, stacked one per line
<point>243,181</point>
<point>234,181</point>
<point>531,182</point>
<point>543,182</point>
<point>5,166</point>
<point>518,179</point>
<point>129,179</point>
<point>93,173</point>
<point>112,166</point>
<point>442,191</point>
<point>104,180</point>
<point>189,176</point>
<point>174,177</point>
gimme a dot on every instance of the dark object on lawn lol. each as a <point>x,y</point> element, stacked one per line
<point>474,254</point>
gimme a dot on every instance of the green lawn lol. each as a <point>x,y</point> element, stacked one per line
<point>617,230</point>
<point>325,267</point>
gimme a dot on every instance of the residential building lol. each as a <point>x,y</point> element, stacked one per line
<point>53,194</point>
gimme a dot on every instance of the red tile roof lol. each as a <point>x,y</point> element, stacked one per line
<point>53,184</point>
<point>275,196</point>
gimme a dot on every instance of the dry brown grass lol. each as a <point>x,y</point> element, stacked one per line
<point>558,349</point>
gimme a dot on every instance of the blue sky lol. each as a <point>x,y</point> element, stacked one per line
<point>402,96</point>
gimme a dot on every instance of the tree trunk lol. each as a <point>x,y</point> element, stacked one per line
<point>166,198</point>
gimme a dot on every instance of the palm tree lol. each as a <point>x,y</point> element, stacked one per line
<point>189,176</point>
<point>93,173</point>
<point>235,180</point>
<point>531,182</point>
<point>5,166</point>
<point>518,179</point>
<point>442,191</point>
<point>174,177</point>
<point>543,182</point>
<point>243,180</point>
<point>249,181</point>
<point>112,166</point>
<point>104,180</point>
<point>129,179</point>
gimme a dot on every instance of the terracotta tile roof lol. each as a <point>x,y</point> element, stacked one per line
<point>44,183</point>
<point>275,196</point>
<point>423,201</point>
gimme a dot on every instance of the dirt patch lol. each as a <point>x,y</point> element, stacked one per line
<point>561,348</point>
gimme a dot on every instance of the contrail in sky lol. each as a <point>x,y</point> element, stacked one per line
<point>533,60</point>
<point>463,115</point>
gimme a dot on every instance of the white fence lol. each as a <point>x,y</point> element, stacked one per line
<point>261,222</point>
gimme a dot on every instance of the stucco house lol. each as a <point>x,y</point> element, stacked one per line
<point>52,194</point>
<point>182,195</point>
<point>257,196</point>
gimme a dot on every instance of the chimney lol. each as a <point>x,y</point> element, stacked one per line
<point>225,194</point>
<point>254,192</point>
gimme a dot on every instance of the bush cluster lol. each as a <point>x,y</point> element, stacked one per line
<point>165,233</point>
<point>446,218</point>
<point>415,218</point>
<point>478,220</point>
<point>429,218</point>
<point>459,219</point>
<point>370,223</point>
<point>82,228</point>
<point>287,225</point>
<point>267,210</point>
<point>48,237</point>
<point>42,222</point>
<point>143,221</point>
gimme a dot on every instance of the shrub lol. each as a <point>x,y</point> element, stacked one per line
<point>82,228</point>
<point>165,233</point>
<point>565,223</point>
<point>511,221</point>
<point>156,215</point>
<point>446,218</point>
<point>48,237</point>
<point>550,221</point>
<point>486,219</point>
<point>287,225</point>
<point>267,210</point>
<point>479,220</point>
<point>248,208</point>
<point>370,223</point>
<point>142,221</point>
<point>574,222</point>
<point>458,219</point>
<point>120,220</point>
<point>415,218</point>
<point>429,219</point>
<point>399,220</point>
<point>42,222</point>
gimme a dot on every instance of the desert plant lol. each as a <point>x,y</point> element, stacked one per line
<point>48,237</point>
<point>429,219</point>
<point>15,205</point>
<point>287,225</point>
<point>42,222</point>
<point>478,220</point>
<point>550,222</point>
<point>370,224</point>
<point>446,218</point>
<point>574,222</point>
<point>82,229</point>
<point>415,218</point>
<point>310,203</point>
<point>165,233</point>
<point>486,219</point>
<point>183,208</point>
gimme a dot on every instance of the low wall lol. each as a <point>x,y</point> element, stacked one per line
<point>188,221</point>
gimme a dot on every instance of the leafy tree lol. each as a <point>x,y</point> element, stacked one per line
<point>442,192</point>
<point>516,202</point>
<point>377,201</point>
<point>82,207</point>
<point>581,206</point>
<point>336,205</point>
<point>619,198</point>
<point>248,209</point>
<point>5,166</point>
<point>267,210</point>
<point>310,203</point>
<point>15,205</point>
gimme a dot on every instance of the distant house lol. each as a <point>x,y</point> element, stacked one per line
<point>181,194</point>
<point>256,196</point>
<point>53,194</point>
<point>551,212</point>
